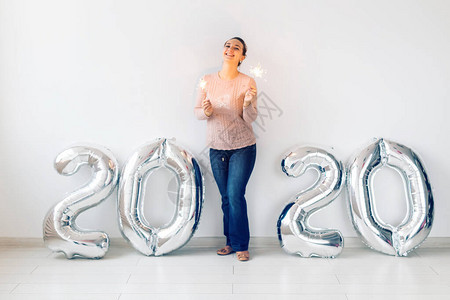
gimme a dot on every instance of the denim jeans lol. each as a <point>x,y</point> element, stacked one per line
<point>232,170</point>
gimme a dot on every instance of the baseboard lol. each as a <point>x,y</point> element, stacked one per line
<point>206,242</point>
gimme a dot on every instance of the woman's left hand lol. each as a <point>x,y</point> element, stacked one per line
<point>251,92</point>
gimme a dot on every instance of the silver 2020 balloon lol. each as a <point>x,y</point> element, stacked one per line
<point>61,233</point>
<point>373,231</point>
<point>295,234</point>
<point>145,238</point>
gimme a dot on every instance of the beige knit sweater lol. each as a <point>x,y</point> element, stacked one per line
<point>230,125</point>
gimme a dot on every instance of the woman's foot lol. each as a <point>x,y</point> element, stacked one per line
<point>225,250</point>
<point>243,255</point>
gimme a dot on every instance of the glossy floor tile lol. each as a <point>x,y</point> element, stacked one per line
<point>198,273</point>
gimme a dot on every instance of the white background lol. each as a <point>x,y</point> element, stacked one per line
<point>122,73</point>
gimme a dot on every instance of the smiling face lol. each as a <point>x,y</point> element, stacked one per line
<point>233,51</point>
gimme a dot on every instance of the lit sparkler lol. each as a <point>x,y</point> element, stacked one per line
<point>257,71</point>
<point>202,84</point>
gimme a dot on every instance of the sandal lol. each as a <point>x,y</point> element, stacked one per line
<point>225,250</point>
<point>243,255</point>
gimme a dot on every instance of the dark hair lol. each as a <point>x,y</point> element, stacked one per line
<point>244,50</point>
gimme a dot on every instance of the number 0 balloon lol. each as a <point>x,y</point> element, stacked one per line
<point>147,239</point>
<point>373,231</point>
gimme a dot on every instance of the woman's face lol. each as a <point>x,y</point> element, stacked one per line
<point>232,51</point>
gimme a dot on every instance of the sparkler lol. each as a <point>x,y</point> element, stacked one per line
<point>202,84</point>
<point>257,71</point>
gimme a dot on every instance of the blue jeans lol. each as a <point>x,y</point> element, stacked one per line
<point>232,170</point>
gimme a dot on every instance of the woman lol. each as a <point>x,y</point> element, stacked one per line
<point>227,100</point>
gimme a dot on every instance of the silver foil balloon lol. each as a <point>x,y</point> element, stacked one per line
<point>373,231</point>
<point>295,234</point>
<point>61,233</point>
<point>145,238</point>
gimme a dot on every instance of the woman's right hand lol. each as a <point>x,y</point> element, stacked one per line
<point>207,107</point>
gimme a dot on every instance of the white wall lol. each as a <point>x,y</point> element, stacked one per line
<point>121,73</point>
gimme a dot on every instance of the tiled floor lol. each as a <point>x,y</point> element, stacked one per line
<point>198,273</point>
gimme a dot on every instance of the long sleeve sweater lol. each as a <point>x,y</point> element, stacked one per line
<point>230,125</point>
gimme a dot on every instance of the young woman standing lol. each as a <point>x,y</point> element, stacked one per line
<point>227,100</point>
